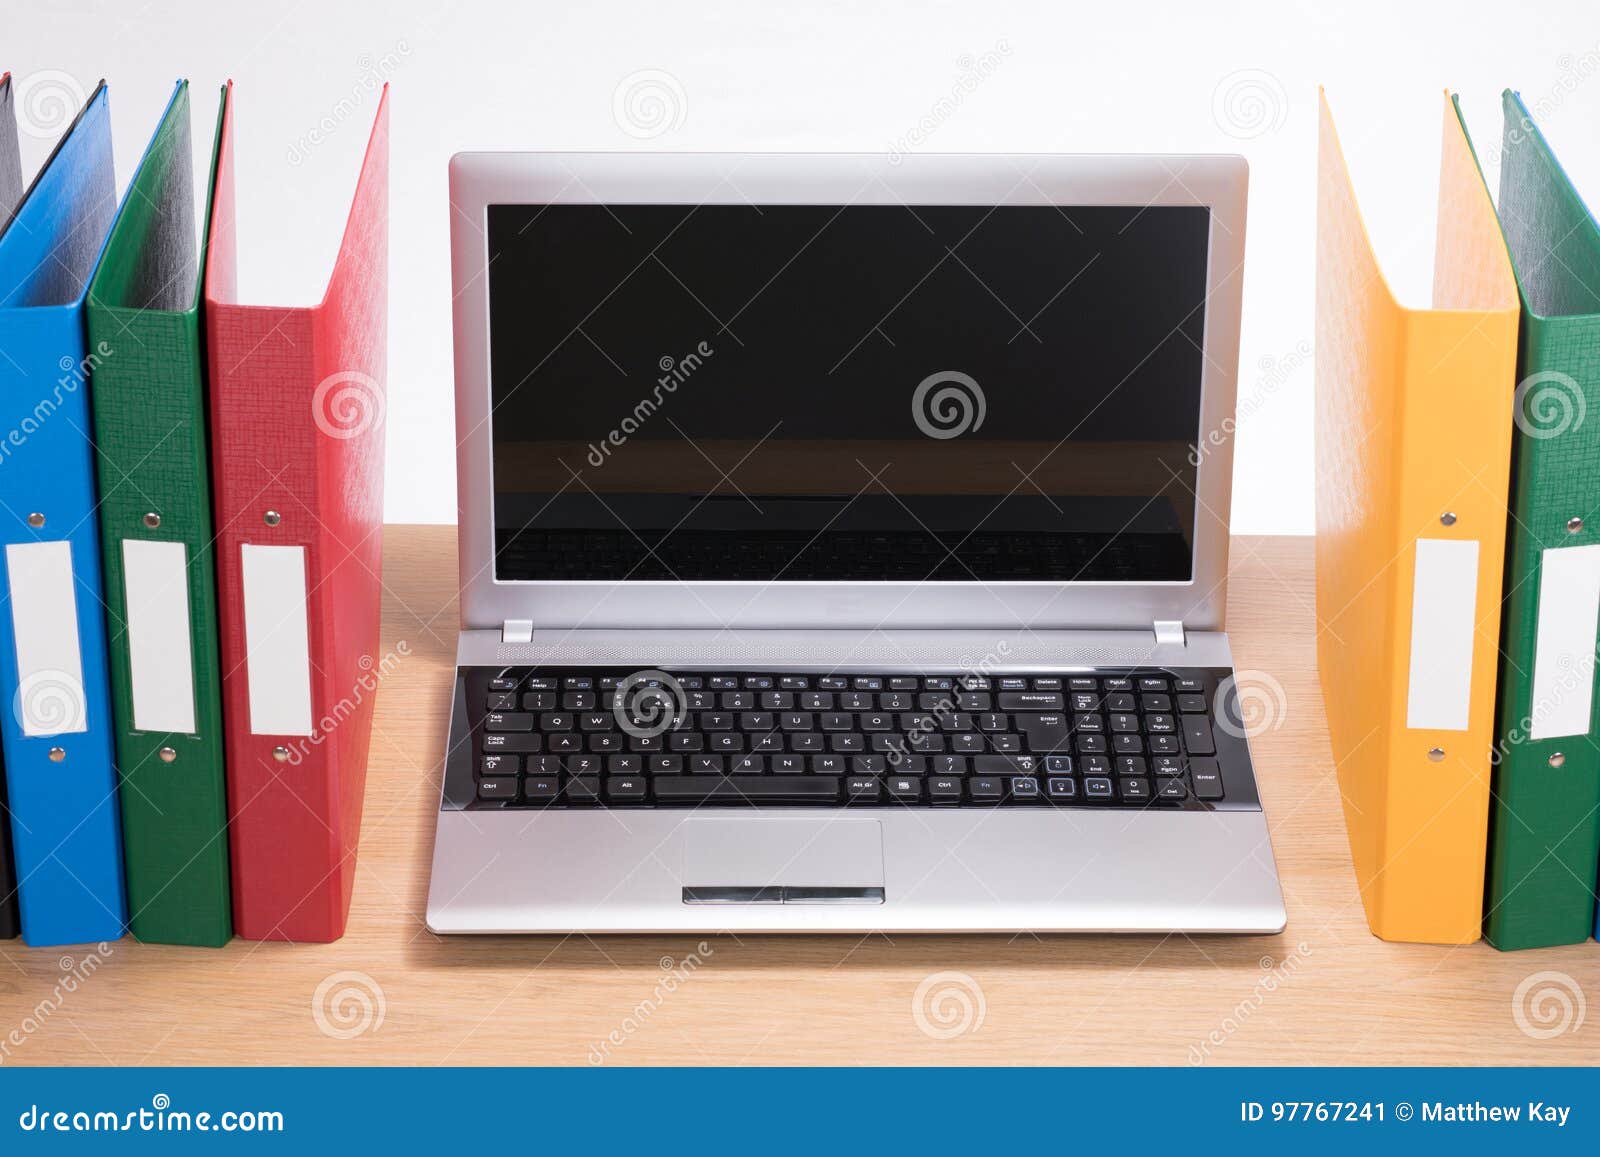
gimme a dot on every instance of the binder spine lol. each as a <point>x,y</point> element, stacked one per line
<point>10,194</point>
<point>156,534</point>
<point>268,488</point>
<point>1413,453</point>
<point>56,715</point>
<point>299,501</point>
<point>1449,593</point>
<point>1547,776</point>
<point>1545,834</point>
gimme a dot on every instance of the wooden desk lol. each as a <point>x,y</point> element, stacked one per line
<point>1343,998</point>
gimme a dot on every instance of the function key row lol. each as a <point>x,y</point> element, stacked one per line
<point>1119,703</point>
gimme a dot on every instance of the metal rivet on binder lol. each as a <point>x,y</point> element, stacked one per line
<point>57,754</point>
<point>280,753</point>
<point>1557,759</point>
<point>1448,518</point>
<point>36,520</point>
<point>1436,753</point>
<point>167,754</point>
<point>1574,524</point>
<point>272,518</point>
<point>152,520</point>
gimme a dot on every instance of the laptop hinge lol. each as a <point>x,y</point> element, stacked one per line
<point>517,631</point>
<point>1170,631</point>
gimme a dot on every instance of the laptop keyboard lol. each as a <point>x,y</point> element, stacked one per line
<point>588,738</point>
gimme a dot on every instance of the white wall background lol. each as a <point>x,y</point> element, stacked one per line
<point>1172,76</point>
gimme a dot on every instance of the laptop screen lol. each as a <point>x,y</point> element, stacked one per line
<point>855,393</point>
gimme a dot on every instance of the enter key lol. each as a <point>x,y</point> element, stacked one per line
<point>1047,732</point>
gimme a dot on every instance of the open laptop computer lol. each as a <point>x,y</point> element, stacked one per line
<point>836,553</point>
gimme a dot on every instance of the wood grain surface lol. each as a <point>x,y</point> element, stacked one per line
<point>1324,992</point>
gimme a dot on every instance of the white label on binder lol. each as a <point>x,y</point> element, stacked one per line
<point>277,639</point>
<point>44,622</point>
<point>1444,604</point>
<point>1563,647</point>
<point>155,580</point>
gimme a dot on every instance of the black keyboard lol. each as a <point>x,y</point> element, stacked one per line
<point>530,738</point>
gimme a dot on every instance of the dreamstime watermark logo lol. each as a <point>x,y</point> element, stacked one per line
<point>674,372</point>
<point>1574,677</point>
<point>1276,372</point>
<point>158,1117</point>
<point>948,404</point>
<point>1248,703</point>
<point>914,739</point>
<point>75,973</point>
<point>47,101</point>
<point>75,373</point>
<point>372,674</point>
<point>1573,71</point>
<point>674,974</point>
<point>971,72</point>
<point>649,103</point>
<point>948,1004</point>
<point>374,74</point>
<point>649,703</point>
<point>50,703</point>
<point>348,1004</point>
<point>1249,103</point>
<point>1548,404</point>
<point>1548,1004</point>
<point>1274,975</point>
<point>347,404</point>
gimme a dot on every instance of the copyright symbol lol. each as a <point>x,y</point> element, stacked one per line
<point>1403,1111</point>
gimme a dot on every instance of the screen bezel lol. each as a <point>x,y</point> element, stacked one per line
<point>478,180</point>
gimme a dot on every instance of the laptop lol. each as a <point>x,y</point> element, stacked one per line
<point>843,547</point>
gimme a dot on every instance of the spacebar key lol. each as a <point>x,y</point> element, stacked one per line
<point>737,789</point>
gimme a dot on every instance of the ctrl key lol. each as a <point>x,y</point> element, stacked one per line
<point>498,787</point>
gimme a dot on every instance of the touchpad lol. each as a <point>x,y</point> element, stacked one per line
<point>772,860</point>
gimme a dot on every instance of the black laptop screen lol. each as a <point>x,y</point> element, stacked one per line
<point>816,392</point>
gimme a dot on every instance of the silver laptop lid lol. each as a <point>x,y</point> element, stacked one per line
<point>846,391</point>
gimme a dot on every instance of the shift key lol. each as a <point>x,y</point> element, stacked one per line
<point>1197,735</point>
